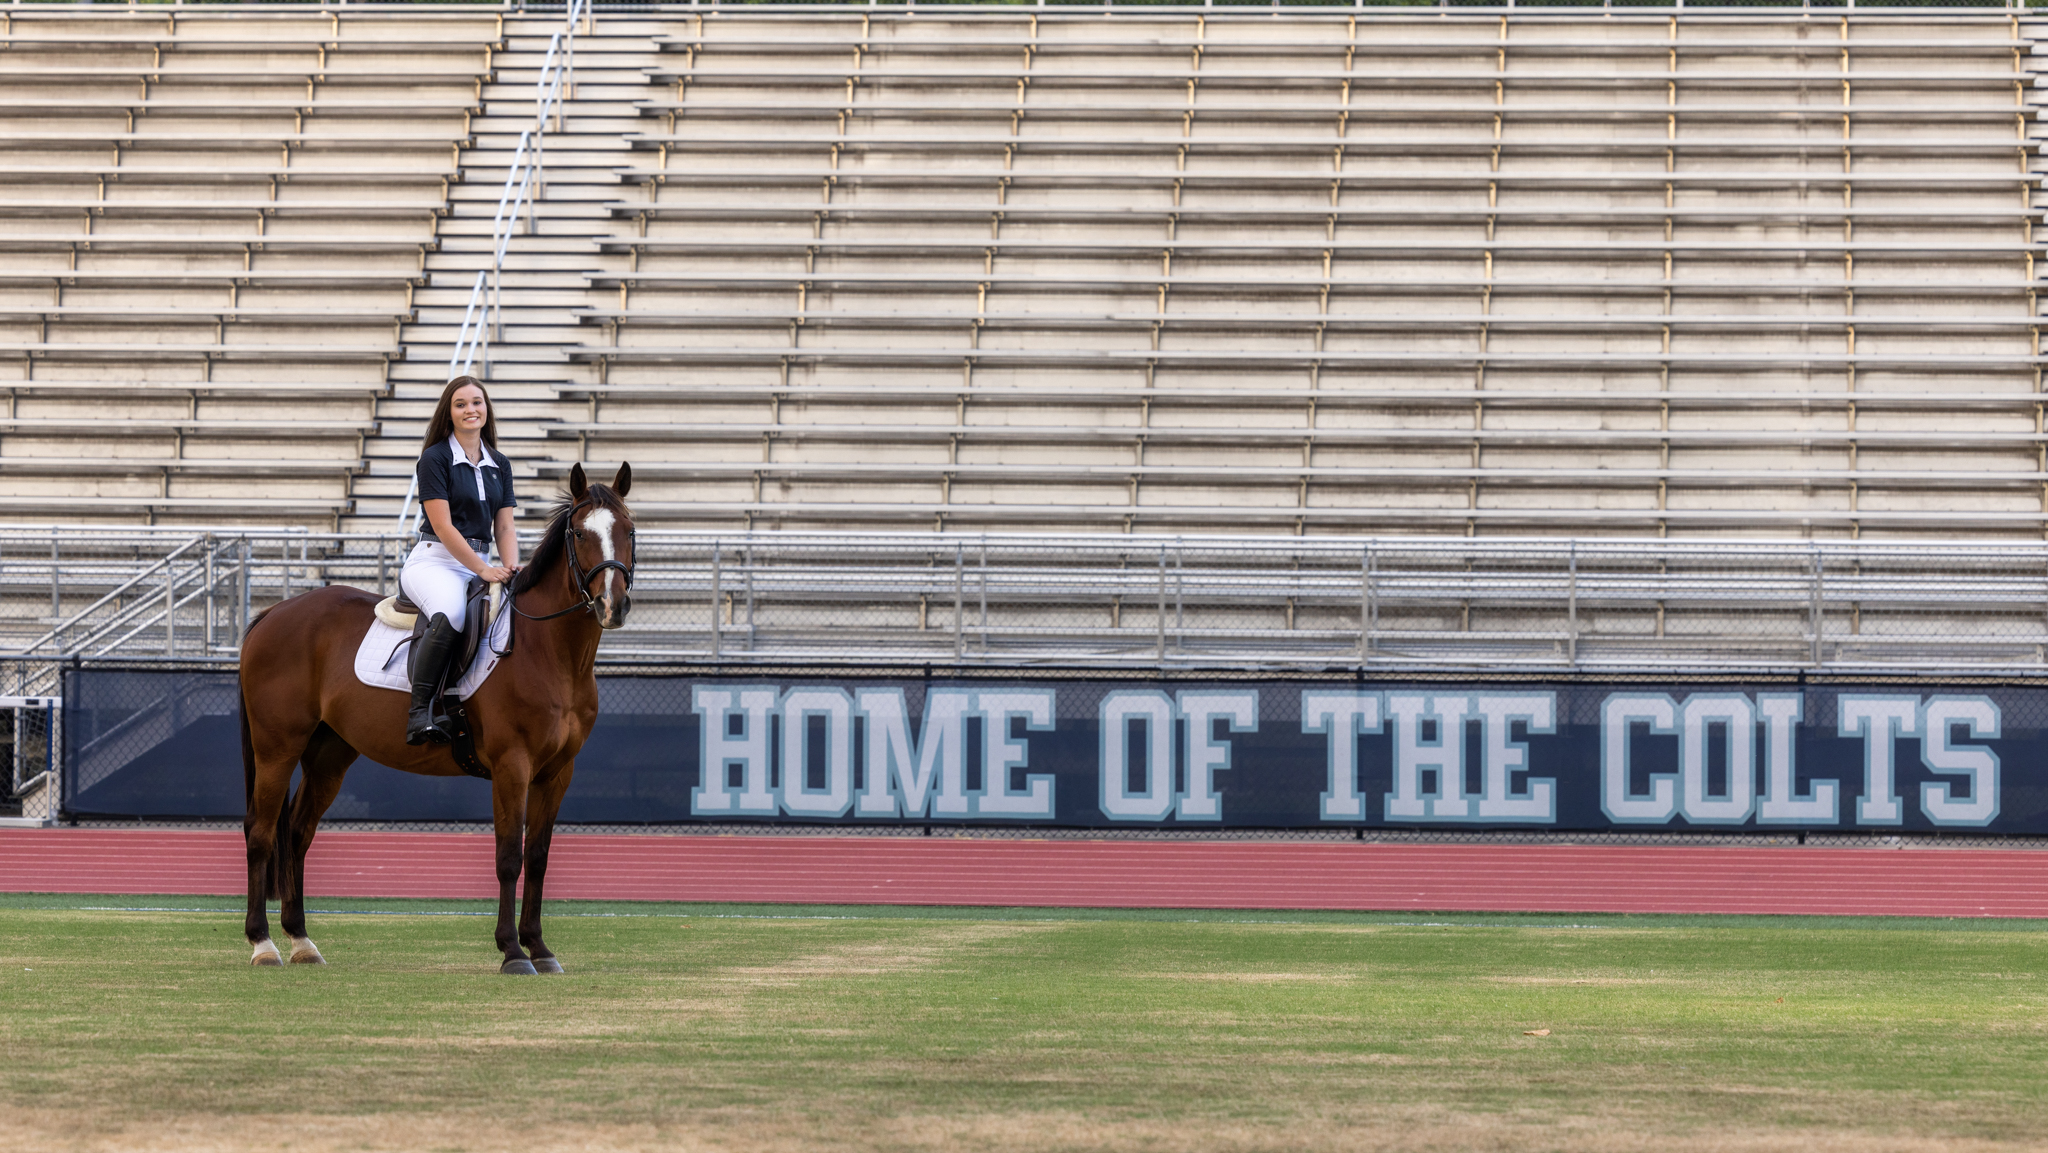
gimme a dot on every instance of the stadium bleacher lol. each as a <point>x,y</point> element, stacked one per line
<point>212,223</point>
<point>1384,270</point>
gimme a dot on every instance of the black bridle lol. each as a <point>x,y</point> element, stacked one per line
<point>570,535</point>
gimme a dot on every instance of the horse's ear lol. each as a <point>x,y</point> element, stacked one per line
<point>622,481</point>
<point>579,485</point>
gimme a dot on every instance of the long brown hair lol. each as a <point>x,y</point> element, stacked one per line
<point>441,425</point>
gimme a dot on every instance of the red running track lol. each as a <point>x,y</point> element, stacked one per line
<point>1130,874</point>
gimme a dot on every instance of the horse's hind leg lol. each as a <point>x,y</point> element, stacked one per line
<point>270,778</point>
<point>325,761</point>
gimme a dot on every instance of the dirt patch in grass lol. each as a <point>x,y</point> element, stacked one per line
<point>1523,979</point>
<point>1257,978</point>
<point>932,947</point>
<point>1392,1129</point>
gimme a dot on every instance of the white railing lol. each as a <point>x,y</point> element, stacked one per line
<point>483,320</point>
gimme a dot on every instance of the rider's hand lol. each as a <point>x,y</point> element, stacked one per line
<point>495,574</point>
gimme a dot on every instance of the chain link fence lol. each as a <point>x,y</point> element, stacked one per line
<point>1140,602</point>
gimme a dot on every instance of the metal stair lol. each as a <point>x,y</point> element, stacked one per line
<point>544,281</point>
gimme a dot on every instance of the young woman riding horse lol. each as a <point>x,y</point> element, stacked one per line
<point>466,501</point>
<point>303,706</point>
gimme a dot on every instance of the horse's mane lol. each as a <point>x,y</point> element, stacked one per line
<point>555,537</point>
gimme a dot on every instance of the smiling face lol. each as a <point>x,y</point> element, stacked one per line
<point>468,409</point>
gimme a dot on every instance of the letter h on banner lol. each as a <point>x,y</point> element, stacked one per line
<point>723,749</point>
<point>1346,716</point>
<point>1413,755</point>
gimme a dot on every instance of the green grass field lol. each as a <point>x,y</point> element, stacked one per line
<point>722,1027</point>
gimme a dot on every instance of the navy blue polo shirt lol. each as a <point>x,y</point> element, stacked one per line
<point>474,493</point>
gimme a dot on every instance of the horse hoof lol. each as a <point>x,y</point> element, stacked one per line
<point>520,968</point>
<point>265,955</point>
<point>547,965</point>
<point>304,952</point>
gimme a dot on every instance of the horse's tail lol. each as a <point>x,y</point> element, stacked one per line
<point>281,857</point>
<point>248,752</point>
<point>272,884</point>
<point>270,889</point>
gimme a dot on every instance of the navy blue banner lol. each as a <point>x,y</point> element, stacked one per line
<point>1101,753</point>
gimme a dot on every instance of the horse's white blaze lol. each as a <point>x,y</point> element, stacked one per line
<point>599,523</point>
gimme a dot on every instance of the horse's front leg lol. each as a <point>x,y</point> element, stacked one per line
<point>509,779</point>
<point>544,802</point>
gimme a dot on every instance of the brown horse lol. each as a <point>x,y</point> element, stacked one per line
<point>303,705</point>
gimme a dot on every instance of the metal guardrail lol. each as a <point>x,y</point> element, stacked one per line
<point>1137,7</point>
<point>1559,605</point>
<point>525,7</point>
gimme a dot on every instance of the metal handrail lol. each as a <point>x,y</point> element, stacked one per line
<point>1560,604</point>
<point>483,319</point>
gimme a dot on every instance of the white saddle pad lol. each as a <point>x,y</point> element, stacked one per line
<point>382,657</point>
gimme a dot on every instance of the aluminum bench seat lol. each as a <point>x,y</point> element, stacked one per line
<point>115,242</point>
<point>1475,182</point>
<point>967,285</point>
<point>1190,38</point>
<point>1086,76</point>
<point>752,432</point>
<point>1132,248</point>
<point>202,314</point>
<point>1357,145</point>
<point>1310,322</point>
<point>1199,360</point>
<point>224,278</point>
<point>382,207</point>
<point>147,75</point>
<point>123,389</point>
<point>1118,517</point>
<point>1324,395</point>
<point>355,174</point>
<point>1319,475</point>
<point>253,138</point>
<point>101,428</point>
<point>76,103</point>
<point>228,44</point>
<point>214,509</point>
<point>176,466</point>
<point>1998,109</point>
<point>1933,215</point>
<point>139,350</point>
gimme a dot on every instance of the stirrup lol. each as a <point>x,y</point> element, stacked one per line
<point>433,729</point>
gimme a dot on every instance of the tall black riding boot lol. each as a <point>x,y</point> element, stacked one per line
<point>430,655</point>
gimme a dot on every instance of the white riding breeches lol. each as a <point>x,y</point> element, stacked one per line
<point>435,581</point>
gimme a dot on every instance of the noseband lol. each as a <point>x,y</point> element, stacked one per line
<point>582,579</point>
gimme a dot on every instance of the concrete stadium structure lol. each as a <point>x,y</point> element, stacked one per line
<point>1300,270</point>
